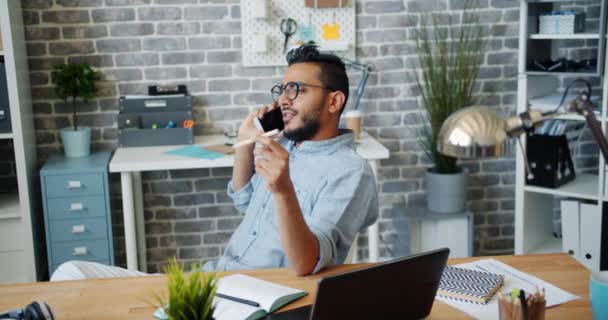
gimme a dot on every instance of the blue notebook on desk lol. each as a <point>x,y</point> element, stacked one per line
<point>195,152</point>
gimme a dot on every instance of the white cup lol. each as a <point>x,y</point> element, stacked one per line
<point>353,122</point>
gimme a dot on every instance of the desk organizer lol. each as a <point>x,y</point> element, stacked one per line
<point>550,160</point>
<point>561,22</point>
<point>154,121</point>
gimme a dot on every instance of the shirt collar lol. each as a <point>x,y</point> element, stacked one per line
<point>345,138</point>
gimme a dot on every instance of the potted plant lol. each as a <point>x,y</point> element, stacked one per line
<point>449,59</point>
<point>76,81</point>
<point>190,296</point>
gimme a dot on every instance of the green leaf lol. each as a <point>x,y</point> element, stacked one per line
<point>75,81</point>
<point>449,59</point>
<point>190,296</point>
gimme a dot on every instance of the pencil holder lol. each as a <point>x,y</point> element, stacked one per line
<point>509,310</point>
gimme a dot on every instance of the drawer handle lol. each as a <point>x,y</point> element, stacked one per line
<point>78,206</point>
<point>74,185</point>
<point>80,251</point>
<point>78,228</point>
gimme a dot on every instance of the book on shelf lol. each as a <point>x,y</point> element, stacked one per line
<point>246,297</point>
<point>469,285</point>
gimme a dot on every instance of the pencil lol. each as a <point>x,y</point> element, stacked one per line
<point>250,141</point>
<point>248,302</point>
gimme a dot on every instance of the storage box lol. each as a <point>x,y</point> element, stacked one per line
<point>145,121</point>
<point>561,22</point>
<point>550,161</point>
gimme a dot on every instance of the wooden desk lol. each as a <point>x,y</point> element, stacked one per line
<point>121,298</point>
<point>130,162</point>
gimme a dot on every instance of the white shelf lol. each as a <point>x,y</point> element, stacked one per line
<point>9,206</point>
<point>538,36</point>
<point>6,136</point>
<point>585,186</point>
<point>552,245</point>
<point>545,73</point>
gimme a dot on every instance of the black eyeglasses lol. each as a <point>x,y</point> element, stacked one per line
<point>291,89</point>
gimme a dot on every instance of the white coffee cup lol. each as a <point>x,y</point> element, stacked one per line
<point>353,122</point>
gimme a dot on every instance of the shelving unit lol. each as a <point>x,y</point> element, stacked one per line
<point>534,206</point>
<point>21,225</point>
<point>539,36</point>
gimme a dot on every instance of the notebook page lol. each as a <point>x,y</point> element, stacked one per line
<point>231,310</point>
<point>263,292</point>
<point>514,279</point>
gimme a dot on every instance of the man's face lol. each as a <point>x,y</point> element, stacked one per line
<point>304,115</point>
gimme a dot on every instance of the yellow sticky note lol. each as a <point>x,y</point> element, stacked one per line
<point>331,31</point>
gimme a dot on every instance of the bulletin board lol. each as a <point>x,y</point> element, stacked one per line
<point>269,28</point>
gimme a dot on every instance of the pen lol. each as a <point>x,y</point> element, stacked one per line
<point>524,305</point>
<point>251,303</point>
<point>250,141</point>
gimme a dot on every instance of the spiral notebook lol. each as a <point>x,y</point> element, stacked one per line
<point>469,285</point>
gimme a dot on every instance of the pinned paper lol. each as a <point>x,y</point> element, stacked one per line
<point>331,31</point>
<point>306,33</point>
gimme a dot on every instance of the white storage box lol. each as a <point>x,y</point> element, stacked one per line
<point>561,22</point>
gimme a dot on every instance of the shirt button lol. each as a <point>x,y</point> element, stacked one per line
<point>254,233</point>
<point>236,257</point>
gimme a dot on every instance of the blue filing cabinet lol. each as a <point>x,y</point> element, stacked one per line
<point>77,215</point>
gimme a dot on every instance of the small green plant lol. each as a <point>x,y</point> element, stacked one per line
<point>75,80</point>
<point>450,59</point>
<point>190,296</point>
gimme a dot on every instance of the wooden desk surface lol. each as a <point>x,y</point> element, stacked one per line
<point>122,298</point>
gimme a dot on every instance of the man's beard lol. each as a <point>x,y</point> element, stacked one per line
<point>310,127</point>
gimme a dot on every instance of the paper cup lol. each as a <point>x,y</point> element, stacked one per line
<point>353,122</point>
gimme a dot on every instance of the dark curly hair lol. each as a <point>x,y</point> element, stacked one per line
<point>333,71</point>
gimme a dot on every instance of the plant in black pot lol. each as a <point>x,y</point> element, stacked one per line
<point>73,82</point>
<point>449,59</point>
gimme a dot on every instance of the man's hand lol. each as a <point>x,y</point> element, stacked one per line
<point>272,163</point>
<point>247,128</point>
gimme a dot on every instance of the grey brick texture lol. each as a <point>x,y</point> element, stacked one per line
<point>137,43</point>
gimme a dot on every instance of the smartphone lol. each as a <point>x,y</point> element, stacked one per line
<point>272,119</point>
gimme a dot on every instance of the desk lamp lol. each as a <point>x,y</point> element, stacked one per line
<point>477,132</point>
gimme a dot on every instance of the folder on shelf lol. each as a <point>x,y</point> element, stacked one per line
<point>570,228</point>
<point>594,237</point>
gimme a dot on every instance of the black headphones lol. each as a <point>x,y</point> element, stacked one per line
<point>36,310</point>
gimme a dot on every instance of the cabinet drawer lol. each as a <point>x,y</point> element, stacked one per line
<point>76,207</point>
<point>93,250</point>
<point>74,185</point>
<point>78,230</point>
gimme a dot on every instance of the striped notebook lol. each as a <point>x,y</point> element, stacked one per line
<point>469,285</point>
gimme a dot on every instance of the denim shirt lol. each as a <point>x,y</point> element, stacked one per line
<point>336,191</point>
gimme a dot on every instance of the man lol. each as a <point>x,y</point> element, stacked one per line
<point>306,196</point>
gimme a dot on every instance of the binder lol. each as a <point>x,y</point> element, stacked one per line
<point>594,237</point>
<point>570,216</point>
<point>5,119</point>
